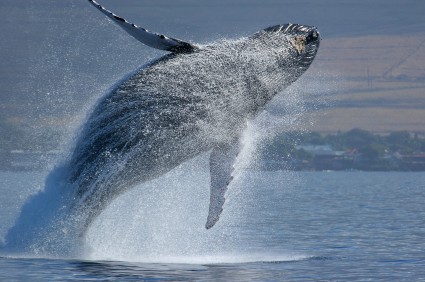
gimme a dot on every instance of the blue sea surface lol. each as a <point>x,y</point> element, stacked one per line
<point>58,56</point>
<point>284,226</point>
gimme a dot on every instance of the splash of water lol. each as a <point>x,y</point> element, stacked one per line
<point>158,221</point>
<point>162,219</point>
<point>166,224</point>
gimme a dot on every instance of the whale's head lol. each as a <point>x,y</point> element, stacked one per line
<point>293,46</point>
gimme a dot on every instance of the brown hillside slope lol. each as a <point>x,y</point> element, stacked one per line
<point>381,83</point>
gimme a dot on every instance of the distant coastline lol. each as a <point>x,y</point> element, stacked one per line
<point>20,160</point>
<point>356,149</point>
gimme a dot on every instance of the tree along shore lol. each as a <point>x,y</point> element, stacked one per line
<point>356,149</point>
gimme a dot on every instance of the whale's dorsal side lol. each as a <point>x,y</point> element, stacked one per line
<point>152,39</point>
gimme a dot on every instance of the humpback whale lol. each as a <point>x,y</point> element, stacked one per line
<point>195,99</point>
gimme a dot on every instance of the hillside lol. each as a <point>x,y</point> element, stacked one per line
<point>379,83</point>
<point>58,57</point>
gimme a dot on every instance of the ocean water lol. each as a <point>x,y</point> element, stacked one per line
<point>276,226</point>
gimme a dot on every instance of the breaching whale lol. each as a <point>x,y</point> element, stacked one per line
<point>195,99</point>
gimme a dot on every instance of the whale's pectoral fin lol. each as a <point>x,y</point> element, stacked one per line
<point>222,161</point>
<point>149,38</point>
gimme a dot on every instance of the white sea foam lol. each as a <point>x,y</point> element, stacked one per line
<point>162,219</point>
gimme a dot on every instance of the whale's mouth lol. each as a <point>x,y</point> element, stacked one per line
<point>307,45</point>
<point>302,43</point>
<point>313,36</point>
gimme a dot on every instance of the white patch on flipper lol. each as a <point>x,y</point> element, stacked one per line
<point>149,38</point>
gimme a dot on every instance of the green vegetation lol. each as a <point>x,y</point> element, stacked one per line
<point>373,145</point>
<point>17,136</point>
<point>354,149</point>
<point>10,135</point>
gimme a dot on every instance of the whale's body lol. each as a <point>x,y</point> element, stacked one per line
<point>196,99</point>
<point>193,100</point>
